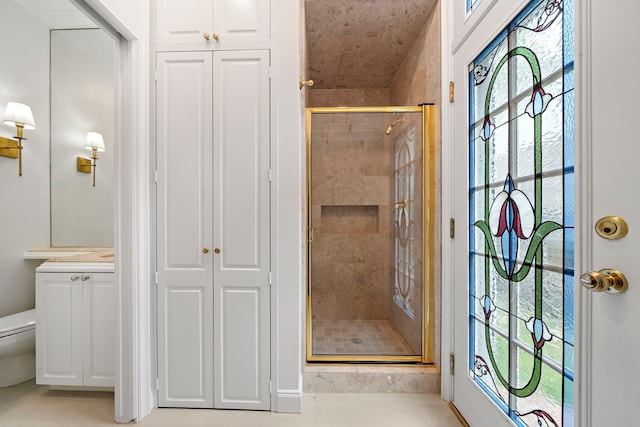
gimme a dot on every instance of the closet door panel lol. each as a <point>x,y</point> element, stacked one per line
<point>242,24</point>
<point>183,21</point>
<point>184,237</point>
<point>241,229</point>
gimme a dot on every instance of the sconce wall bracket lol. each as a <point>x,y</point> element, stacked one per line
<point>84,165</point>
<point>8,148</point>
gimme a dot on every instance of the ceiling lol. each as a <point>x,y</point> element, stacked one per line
<point>351,44</point>
<point>56,14</point>
<point>360,44</point>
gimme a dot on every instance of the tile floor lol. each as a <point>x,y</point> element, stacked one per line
<point>29,405</point>
<point>356,337</point>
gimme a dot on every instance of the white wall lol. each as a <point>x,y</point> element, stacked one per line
<point>24,201</point>
<point>287,161</point>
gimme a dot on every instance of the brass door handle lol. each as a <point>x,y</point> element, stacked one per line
<point>402,204</point>
<point>605,280</point>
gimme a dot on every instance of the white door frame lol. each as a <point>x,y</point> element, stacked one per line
<point>583,329</point>
<point>133,395</point>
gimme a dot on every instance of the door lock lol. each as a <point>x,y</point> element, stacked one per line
<point>612,227</point>
<point>605,280</point>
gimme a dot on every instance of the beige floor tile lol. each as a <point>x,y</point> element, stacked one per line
<point>29,405</point>
<point>382,410</point>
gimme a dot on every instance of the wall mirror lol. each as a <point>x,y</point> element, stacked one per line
<point>83,99</point>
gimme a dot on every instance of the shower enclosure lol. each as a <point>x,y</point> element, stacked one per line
<point>370,234</point>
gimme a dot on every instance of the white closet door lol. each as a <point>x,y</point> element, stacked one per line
<point>183,21</point>
<point>184,237</point>
<point>241,229</point>
<point>242,24</point>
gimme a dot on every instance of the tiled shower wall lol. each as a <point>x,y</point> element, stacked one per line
<point>418,81</point>
<point>351,211</point>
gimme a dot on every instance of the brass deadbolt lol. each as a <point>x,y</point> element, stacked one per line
<point>612,227</point>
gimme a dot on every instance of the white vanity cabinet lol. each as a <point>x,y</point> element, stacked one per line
<point>214,24</point>
<point>75,324</point>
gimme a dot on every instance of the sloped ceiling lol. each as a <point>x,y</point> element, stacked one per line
<point>359,44</point>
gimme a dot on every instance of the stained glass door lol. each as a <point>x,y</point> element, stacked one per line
<point>518,325</point>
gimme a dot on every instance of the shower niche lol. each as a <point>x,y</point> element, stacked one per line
<point>369,224</point>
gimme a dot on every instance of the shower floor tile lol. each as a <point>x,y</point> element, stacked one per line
<point>358,337</point>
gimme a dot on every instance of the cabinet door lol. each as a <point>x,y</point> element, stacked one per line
<point>241,229</point>
<point>237,24</point>
<point>99,313</point>
<point>184,229</point>
<point>242,24</point>
<point>183,21</point>
<point>59,329</point>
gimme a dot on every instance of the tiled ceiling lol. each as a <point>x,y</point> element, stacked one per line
<point>359,44</point>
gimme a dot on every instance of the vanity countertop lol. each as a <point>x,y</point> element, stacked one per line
<point>95,256</point>
<point>71,254</point>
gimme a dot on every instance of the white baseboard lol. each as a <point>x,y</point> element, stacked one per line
<point>288,402</point>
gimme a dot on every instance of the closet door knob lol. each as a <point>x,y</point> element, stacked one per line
<point>216,250</point>
<point>206,36</point>
<point>205,250</point>
<point>215,37</point>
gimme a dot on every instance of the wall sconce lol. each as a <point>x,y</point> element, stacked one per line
<point>19,116</point>
<point>94,143</point>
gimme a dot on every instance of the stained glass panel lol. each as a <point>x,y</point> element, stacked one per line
<point>521,216</point>
<point>471,4</point>
<point>405,271</point>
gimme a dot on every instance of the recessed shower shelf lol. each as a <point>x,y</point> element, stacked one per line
<point>349,218</point>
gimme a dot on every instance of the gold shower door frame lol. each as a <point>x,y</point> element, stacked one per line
<point>428,201</point>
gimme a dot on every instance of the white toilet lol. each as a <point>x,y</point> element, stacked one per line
<point>17,348</point>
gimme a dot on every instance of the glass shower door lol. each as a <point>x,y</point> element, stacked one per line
<point>366,240</point>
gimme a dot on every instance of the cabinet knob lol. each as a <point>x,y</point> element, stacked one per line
<point>215,37</point>
<point>74,278</point>
<point>216,250</point>
<point>206,36</point>
<point>85,278</point>
<point>205,250</point>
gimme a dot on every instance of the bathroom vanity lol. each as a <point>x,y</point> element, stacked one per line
<point>76,321</point>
